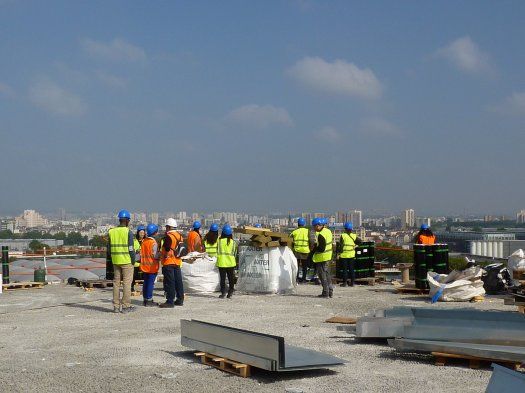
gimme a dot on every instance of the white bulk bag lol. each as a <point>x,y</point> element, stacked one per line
<point>199,273</point>
<point>458,286</point>
<point>266,270</point>
<point>516,261</point>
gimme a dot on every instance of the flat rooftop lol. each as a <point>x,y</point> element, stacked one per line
<point>62,339</point>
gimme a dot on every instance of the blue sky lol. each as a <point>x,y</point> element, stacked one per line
<point>263,106</point>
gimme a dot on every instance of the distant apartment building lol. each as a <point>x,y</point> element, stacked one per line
<point>423,220</point>
<point>356,217</point>
<point>520,217</point>
<point>408,219</point>
<point>30,219</point>
<point>154,218</point>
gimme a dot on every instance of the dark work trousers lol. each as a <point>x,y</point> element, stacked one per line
<point>226,271</point>
<point>173,283</point>
<point>348,264</point>
<point>324,275</point>
<point>147,287</point>
<point>302,264</point>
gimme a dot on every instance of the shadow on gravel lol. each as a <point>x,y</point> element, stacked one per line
<point>422,299</point>
<point>385,290</point>
<point>188,355</point>
<point>406,356</point>
<point>90,307</point>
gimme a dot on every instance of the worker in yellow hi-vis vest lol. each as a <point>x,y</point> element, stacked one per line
<point>301,248</point>
<point>323,255</point>
<point>349,241</point>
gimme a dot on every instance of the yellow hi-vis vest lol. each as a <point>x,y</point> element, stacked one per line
<point>211,249</point>
<point>348,245</point>
<point>326,255</point>
<point>226,253</point>
<point>300,240</point>
<point>118,240</point>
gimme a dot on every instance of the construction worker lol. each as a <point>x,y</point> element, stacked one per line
<point>194,238</point>
<point>347,253</point>
<point>258,225</point>
<point>149,264</point>
<point>323,255</point>
<point>137,242</point>
<point>171,263</point>
<point>425,236</point>
<point>211,240</point>
<point>226,262</point>
<point>122,254</point>
<point>301,247</point>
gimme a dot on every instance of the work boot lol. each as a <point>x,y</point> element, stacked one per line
<point>230,295</point>
<point>331,293</point>
<point>127,310</point>
<point>324,295</point>
<point>150,303</point>
<point>222,296</point>
<point>178,302</point>
<point>116,310</point>
<point>166,305</point>
<point>344,284</point>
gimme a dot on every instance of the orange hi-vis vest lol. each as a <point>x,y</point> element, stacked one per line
<point>192,241</point>
<point>168,257</point>
<point>148,262</point>
<point>424,239</point>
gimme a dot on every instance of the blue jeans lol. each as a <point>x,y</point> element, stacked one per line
<point>147,287</point>
<point>173,283</point>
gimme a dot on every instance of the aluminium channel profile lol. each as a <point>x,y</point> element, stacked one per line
<point>504,380</point>
<point>256,349</point>
<point>486,351</point>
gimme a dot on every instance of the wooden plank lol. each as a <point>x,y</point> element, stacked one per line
<point>224,364</point>
<point>23,285</point>
<point>343,320</point>
<point>261,238</point>
<point>274,243</point>
<point>441,359</point>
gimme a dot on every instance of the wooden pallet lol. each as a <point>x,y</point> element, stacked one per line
<point>343,320</point>
<point>22,285</point>
<point>442,359</point>
<point>221,363</point>
<point>409,289</point>
<point>94,283</point>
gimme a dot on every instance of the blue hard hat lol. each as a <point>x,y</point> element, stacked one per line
<point>214,228</point>
<point>141,228</point>
<point>124,214</point>
<point>258,225</point>
<point>316,221</point>
<point>151,229</point>
<point>196,225</point>
<point>324,221</point>
<point>349,226</point>
<point>301,222</point>
<point>424,227</point>
<point>227,230</point>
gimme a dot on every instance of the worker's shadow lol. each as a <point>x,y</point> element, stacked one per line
<point>420,299</point>
<point>260,375</point>
<point>90,307</point>
<point>394,355</point>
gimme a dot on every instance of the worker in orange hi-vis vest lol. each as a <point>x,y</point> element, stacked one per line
<point>149,264</point>
<point>425,236</point>
<point>194,238</point>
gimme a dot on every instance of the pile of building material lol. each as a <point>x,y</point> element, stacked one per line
<point>228,348</point>
<point>458,286</point>
<point>262,237</point>
<point>487,335</point>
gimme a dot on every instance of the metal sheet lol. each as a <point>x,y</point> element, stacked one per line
<point>504,380</point>
<point>496,352</point>
<point>257,349</point>
<point>381,327</point>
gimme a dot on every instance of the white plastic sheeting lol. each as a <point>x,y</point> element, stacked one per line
<point>516,261</point>
<point>199,273</point>
<point>458,286</point>
<point>267,270</point>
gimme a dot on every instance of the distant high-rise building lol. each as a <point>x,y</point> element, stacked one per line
<point>520,217</point>
<point>356,217</point>
<point>408,219</point>
<point>30,219</point>
<point>154,218</point>
<point>340,217</point>
<point>62,214</point>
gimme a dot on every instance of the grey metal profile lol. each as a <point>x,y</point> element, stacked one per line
<point>256,349</point>
<point>504,380</point>
<point>495,352</point>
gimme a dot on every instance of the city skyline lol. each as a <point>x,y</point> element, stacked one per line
<point>260,107</point>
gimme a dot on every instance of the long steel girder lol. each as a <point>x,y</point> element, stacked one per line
<point>256,349</point>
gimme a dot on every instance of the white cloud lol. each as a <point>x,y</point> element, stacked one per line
<point>115,50</point>
<point>465,54</point>
<point>339,77</point>
<point>512,105</point>
<point>111,80</point>
<point>328,134</point>
<point>50,97</point>
<point>378,127</point>
<point>6,90</point>
<point>259,116</point>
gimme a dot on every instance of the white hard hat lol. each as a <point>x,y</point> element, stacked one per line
<point>171,222</point>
